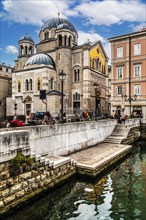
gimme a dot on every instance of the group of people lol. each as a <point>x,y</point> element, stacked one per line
<point>47,118</point>
<point>120,119</point>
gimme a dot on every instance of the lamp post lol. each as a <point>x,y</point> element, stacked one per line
<point>95,87</point>
<point>15,107</point>
<point>62,76</point>
<point>122,104</point>
<point>24,102</point>
<point>130,99</point>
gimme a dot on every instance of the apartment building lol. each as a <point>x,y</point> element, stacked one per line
<point>5,87</point>
<point>128,63</point>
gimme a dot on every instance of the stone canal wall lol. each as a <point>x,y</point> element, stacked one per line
<point>143,128</point>
<point>58,139</point>
<point>64,139</point>
<point>23,178</point>
<point>133,127</point>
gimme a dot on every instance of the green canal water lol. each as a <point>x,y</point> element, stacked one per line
<point>118,195</point>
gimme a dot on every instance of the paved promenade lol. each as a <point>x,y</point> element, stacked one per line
<point>95,159</point>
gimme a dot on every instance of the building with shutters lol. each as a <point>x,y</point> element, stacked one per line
<point>85,66</point>
<point>5,87</point>
<point>128,95</point>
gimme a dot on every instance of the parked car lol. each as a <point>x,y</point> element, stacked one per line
<point>39,115</point>
<point>16,123</point>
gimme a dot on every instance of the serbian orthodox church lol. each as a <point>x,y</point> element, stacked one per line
<point>84,67</point>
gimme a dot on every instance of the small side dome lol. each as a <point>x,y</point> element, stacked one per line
<point>39,59</point>
<point>26,37</point>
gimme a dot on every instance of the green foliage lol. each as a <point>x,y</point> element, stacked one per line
<point>20,164</point>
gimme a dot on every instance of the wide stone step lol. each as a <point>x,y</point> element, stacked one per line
<point>115,137</point>
<point>112,141</point>
<point>119,135</point>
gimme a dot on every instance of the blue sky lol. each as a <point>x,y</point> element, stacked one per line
<point>93,20</point>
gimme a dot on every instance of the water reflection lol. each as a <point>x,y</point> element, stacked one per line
<point>119,195</point>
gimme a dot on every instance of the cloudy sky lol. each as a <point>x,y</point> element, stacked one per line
<point>93,19</point>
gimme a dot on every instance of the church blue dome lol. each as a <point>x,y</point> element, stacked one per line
<point>39,59</point>
<point>55,22</point>
<point>63,26</point>
<point>26,37</point>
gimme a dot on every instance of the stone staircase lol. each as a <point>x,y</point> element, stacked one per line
<point>118,135</point>
<point>52,161</point>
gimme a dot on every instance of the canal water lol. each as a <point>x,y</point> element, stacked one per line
<point>118,195</point>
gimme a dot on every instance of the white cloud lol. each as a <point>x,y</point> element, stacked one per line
<point>106,12</point>
<point>33,12</point>
<point>11,49</point>
<point>112,12</point>
<point>91,36</point>
<point>137,27</point>
<point>107,47</point>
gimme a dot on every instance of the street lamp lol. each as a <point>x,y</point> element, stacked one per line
<point>95,87</point>
<point>24,102</point>
<point>62,76</point>
<point>15,107</point>
<point>130,99</point>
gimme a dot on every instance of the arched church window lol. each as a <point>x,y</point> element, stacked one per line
<point>21,50</point>
<point>25,50</point>
<point>65,40</point>
<point>52,83</point>
<point>26,85</point>
<point>97,63</point>
<point>59,40</point>
<point>100,66</point>
<point>19,86</point>
<point>93,63</point>
<point>38,84</point>
<point>76,97</point>
<point>30,50</point>
<point>30,84</point>
<point>76,75</point>
<point>46,35</point>
<point>69,41</point>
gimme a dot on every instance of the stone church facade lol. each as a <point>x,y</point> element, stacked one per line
<point>85,66</point>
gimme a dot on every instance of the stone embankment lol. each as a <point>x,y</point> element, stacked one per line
<point>21,180</point>
<point>58,139</point>
<point>24,172</point>
<point>96,160</point>
<point>143,128</point>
